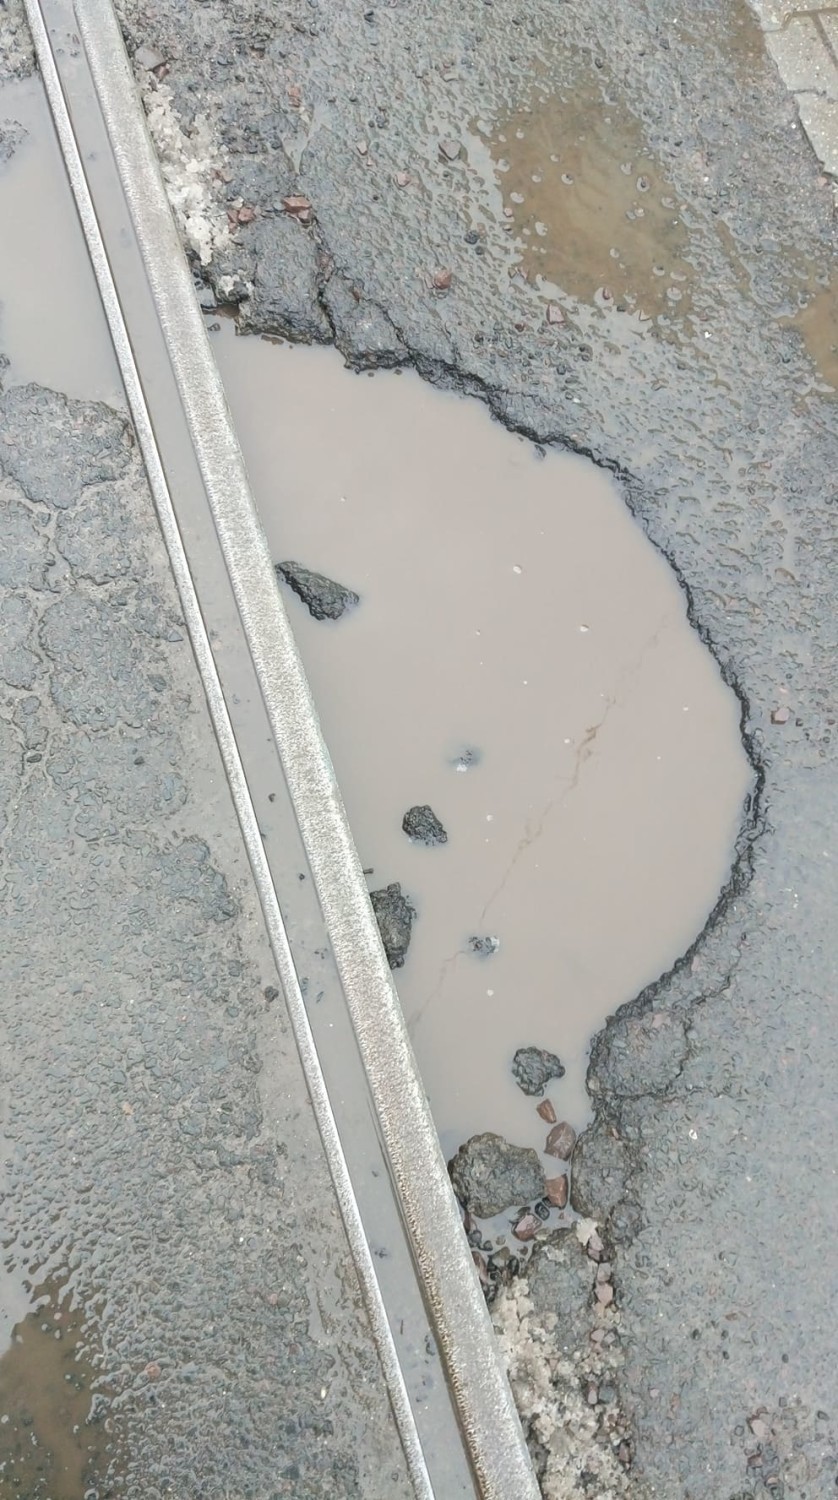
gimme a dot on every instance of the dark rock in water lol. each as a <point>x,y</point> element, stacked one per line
<point>325,599</point>
<point>527,1227</point>
<point>423,826</point>
<point>501,1270</point>
<point>394,915</point>
<point>484,947</point>
<point>489,1175</point>
<point>532,1068</point>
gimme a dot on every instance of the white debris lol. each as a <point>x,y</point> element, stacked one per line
<point>233,288</point>
<point>189,163</point>
<point>584,1229</point>
<point>550,1390</point>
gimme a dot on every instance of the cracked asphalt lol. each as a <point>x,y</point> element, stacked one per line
<point>710,1164</point>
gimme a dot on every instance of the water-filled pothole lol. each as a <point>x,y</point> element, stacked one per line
<point>521,662</point>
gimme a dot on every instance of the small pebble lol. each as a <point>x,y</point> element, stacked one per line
<point>148,58</point>
<point>780,715</point>
<point>527,1227</point>
<point>561,1141</point>
<point>595,1248</point>
<point>547,1112</point>
<point>605,1294</point>
<point>557,1190</point>
<point>480,1263</point>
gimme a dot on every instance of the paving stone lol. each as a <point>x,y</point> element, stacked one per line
<point>819,118</point>
<point>805,62</point>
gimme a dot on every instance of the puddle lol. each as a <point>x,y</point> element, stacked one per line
<point>817,323</point>
<point>510,608</point>
<point>594,219</point>
<point>589,206</point>
<point>50,1440</point>
<point>48,296</point>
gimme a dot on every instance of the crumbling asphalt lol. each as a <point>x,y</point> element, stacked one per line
<point>710,1162</point>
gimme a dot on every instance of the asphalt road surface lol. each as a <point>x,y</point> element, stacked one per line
<point>711,1160</point>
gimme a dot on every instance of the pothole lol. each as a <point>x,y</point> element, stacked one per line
<point>521,663</point>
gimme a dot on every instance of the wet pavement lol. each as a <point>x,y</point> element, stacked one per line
<point>708,1163</point>
<point>179,1310</point>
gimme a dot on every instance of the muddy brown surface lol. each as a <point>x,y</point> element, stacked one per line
<point>46,321</point>
<point>590,208</point>
<point>594,222</point>
<point>510,604</point>
<point>52,1400</point>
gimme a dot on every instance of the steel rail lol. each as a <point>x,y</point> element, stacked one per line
<point>466,1435</point>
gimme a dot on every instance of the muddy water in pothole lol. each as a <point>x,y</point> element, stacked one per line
<point>52,1441</point>
<point>48,298</point>
<point>510,607</point>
